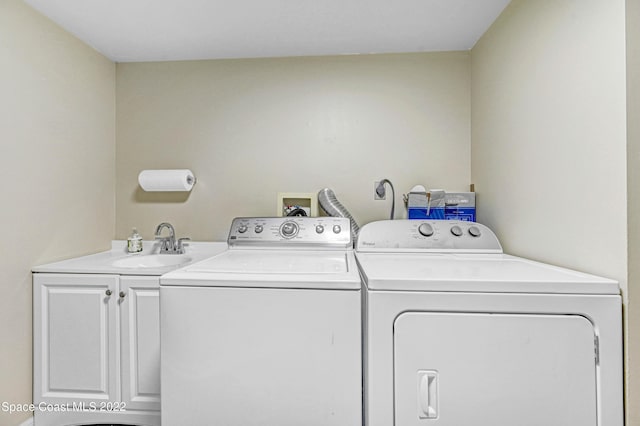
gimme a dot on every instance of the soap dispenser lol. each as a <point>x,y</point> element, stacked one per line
<point>134,242</point>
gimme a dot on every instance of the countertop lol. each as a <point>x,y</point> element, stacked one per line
<point>103,262</point>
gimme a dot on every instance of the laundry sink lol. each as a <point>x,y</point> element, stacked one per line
<point>152,261</point>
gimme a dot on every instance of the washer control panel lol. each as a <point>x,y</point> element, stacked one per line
<point>287,232</point>
<point>427,235</point>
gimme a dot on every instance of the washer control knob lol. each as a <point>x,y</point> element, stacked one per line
<point>425,229</point>
<point>242,229</point>
<point>258,229</point>
<point>289,229</point>
<point>456,230</point>
<point>319,229</point>
<point>337,229</point>
<point>474,231</point>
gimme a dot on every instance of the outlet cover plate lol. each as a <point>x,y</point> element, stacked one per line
<point>375,193</point>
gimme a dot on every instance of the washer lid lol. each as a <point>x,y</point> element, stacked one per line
<point>475,273</point>
<point>271,269</point>
<point>274,262</point>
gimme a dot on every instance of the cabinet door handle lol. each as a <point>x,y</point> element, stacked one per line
<point>122,294</point>
<point>108,292</point>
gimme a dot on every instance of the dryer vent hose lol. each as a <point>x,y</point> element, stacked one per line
<point>332,207</point>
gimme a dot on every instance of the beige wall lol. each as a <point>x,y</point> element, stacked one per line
<point>249,129</point>
<point>633,194</point>
<point>549,133</point>
<point>57,149</point>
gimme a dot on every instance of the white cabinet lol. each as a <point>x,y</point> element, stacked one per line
<point>140,315</point>
<point>96,349</point>
<point>75,345</point>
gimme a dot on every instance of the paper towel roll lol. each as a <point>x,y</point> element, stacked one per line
<point>166,180</point>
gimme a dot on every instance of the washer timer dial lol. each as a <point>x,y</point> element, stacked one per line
<point>289,229</point>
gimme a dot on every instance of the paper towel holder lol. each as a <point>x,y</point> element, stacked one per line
<point>167,180</point>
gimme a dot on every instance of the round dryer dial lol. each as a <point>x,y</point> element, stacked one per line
<point>474,231</point>
<point>425,229</point>
<point>456,230</point>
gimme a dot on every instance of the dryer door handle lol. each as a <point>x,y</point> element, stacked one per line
<point>427,394</point>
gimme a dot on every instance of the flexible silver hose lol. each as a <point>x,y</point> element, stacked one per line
<point>332,207</point>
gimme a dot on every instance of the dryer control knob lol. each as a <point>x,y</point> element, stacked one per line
<point>258,229</point>
<point>474,231</point>
<point>319,229</point>
<point>337,229</point>
<point>425,229</point>
<point>242,229</point>
<point>456,230</point>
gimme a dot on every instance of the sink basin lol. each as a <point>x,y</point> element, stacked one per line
<point>152,261</point>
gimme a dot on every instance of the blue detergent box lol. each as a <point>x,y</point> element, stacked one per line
<point>442,205</point>
<point>460,206</point>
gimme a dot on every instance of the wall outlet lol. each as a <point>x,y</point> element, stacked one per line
<point>377,196</point>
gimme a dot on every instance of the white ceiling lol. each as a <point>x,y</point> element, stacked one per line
<point>163,30</point>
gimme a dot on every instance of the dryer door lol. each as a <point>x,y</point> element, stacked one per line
<point>459,369</point>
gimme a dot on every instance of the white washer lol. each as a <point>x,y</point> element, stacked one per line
<point>268,332</point>
<point>459,334</point>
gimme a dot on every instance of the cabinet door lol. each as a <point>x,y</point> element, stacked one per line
<point>75,341</point>
<point>140,313</point>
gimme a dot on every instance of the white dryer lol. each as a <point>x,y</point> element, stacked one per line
<point>459,334</point>
<point>268,332</point>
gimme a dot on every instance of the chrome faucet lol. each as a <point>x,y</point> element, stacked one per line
<point>168,245</point>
